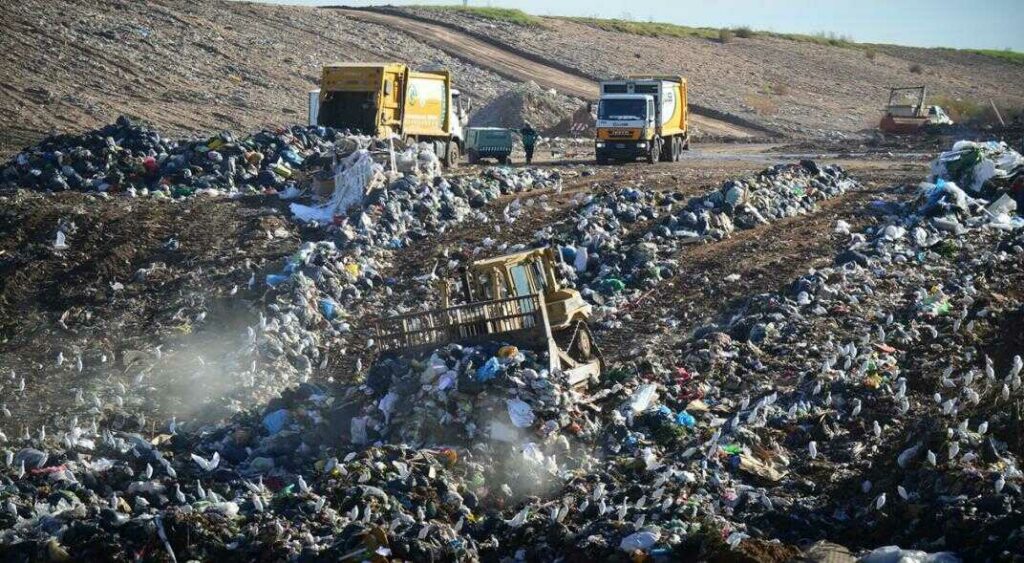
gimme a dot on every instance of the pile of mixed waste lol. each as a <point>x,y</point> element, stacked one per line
<point>622,241</point>
<point>985,169</point>
<point>874,401</point>
<point>130,157</point>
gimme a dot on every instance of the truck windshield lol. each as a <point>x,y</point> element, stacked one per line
<point>631,109</point>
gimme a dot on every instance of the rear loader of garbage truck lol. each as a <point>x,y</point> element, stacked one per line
<point>385,99</point>
<point>515,299</point>
<point>642,116</point>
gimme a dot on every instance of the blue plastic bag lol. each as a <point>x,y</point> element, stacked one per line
<point>489,370</point>
<point>686,419</point>
<point>274,279</point>
<point>275,421</point>
<point>328,307</point>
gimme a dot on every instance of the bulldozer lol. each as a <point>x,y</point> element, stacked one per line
<point>515,298</point>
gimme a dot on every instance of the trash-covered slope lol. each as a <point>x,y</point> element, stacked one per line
<point>756,427</point>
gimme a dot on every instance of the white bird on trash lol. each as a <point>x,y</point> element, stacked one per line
<point>1000,483</point>
<point>880,501</point>
<point>931,458</point>
<point>903,492</point>
<point>210,465</point>
<point>149,472</point>
<point>983,427</point>
<point>812,448</point>
<point>1016,367</point>
<point>178,494</point>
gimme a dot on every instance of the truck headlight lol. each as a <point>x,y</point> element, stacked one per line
<point>600,144</point>
<point>641,145</point>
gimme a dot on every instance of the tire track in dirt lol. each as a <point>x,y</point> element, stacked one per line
<point>510,65</point>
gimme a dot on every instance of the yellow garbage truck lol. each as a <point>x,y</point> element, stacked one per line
<point>642,116</point>
<point>385,99</point>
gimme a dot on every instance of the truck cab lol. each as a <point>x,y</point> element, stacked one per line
<point>642,116</point>
<point>625,125</point>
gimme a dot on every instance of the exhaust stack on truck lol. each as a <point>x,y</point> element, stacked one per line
<point>386,99</point>
<point>642,116</point>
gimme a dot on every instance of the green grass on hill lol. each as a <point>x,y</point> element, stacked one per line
<point>508,15</point>
<point>656,29</point>
<point>1006,55</point>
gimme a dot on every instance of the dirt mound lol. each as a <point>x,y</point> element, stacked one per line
<point>527,102</point>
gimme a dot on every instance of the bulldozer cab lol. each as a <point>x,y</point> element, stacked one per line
<point>522,274</point>
<point>515,298</point>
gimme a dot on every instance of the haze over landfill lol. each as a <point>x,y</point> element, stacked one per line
<point>278,283</point>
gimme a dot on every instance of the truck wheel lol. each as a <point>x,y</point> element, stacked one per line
<point>653,153</point>
<point>504,160</point>
<point>451,157</point>
<point>686,142</point>
<point>668,149</point>
<point>602,159</point>
<point>677,149</point>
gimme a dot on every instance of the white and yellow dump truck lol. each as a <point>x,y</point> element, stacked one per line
<point>385,99</point>
<point>642,116</point>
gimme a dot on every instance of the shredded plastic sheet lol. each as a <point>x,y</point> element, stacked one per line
<point>973,165</point>
<point>354,176</point>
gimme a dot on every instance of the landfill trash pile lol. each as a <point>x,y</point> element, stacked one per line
<point>132,158</point>
<point>872,402</point>
<point>320,295</point>
<point>874,372</point>
<point>623,242</point>
<point>526,102</point>
<point>986,170</point>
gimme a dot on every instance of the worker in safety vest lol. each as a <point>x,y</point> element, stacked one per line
<point>529,140</point>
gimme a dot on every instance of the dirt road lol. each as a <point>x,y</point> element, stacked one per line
<point>513,66</point>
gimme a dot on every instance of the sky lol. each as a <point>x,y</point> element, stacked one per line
<point>977,24</point>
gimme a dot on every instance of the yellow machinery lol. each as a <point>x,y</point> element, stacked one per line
<point>642,116</point>
<point>386,99</point>
<point>514,298</point>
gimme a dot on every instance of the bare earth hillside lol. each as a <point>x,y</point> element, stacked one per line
<point>183,65</point>
<point>211,65</point>
<point>797,87</point>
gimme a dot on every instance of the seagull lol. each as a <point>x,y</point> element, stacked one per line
<point>903,492</point>
<point>178,494</point>
<point>207,465</point>
<point>812,447</point>
<point>1000,483</point>
<point>880,501</point>
<point>931,458</point>
<point>149,471</point>
<point>983,427</point>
